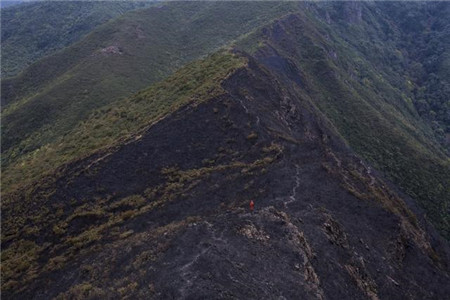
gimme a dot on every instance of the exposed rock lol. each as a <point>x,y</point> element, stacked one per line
<point>334,232</point>
<point>252,232</point>
<point>353,11</point>
<point>111,50</point>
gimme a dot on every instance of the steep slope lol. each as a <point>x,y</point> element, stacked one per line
<point>34,30</point>
<point>164,215</point>
<point>114,61</point>
<point>363,85</point>
<point>148,196</point>
<point>425,29</point>
<point>362,94</point>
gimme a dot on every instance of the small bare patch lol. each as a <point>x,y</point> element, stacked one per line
<point>363,280</point>
<point>253,233</point>
<point>111,50</point>
<point>334,232</point>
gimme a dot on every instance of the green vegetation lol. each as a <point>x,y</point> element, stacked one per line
<point>82,291</point>
<point>114,61</point>
<point>426,58</point>
<point>20,258</point>
<point>34,30</point>
<point>119,121</point>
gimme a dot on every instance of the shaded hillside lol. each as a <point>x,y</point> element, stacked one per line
<point>425,41</point>
<point>34,30</point>
<point>114,61</point>
<point>164,215</point>
<point>358,86</point>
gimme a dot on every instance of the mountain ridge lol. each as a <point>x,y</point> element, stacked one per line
<point>149,196</point>
<point>360,115</point>
<point>187,218</point>
<point>327,64</point>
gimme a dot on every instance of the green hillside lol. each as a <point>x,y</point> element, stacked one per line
<point>425,44</point>
<point>114,61</point>
<point>28,36</point>
<point>121,120</point>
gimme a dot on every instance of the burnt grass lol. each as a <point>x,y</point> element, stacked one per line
<point>166,215</point>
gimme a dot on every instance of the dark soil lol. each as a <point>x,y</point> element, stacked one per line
<point>310,236</point>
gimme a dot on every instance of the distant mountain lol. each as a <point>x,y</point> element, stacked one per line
<point>39,28</point>
<point>311,110</point>
<point>4,4</point>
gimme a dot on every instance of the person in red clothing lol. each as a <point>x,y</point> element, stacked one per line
<point>252,205</point>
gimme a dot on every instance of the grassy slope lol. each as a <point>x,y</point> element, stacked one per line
<point>118,121</point>
<point>53,95</point>
<point>357,82</point>
<point>34,30</point>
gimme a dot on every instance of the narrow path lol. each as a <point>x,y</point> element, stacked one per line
<point>240,102</point>
<point>369,173</point>
<point>185,271</point>
<point>258,121</point>
<point>372,179</point>
<point>295,187</point>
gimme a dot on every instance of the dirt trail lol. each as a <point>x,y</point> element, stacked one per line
<point>295,187</point>
<point>188,270</point>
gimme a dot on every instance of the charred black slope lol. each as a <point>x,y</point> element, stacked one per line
<point>361,93</point>
<point>165,215</point>
<point>355,61</point>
